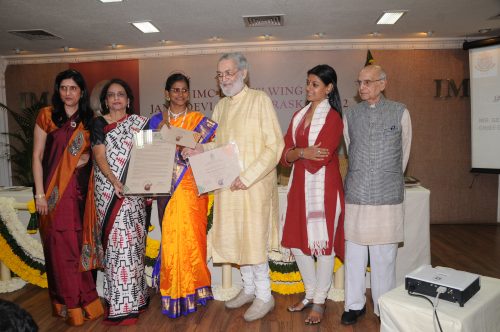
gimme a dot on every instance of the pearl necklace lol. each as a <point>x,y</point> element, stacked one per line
<point>175,116</point>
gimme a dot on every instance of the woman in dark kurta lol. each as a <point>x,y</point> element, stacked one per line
<point>61,169</point>
<point>314,217</point>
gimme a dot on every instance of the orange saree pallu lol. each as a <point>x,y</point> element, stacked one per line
<point>61,229</point>
<point>184,278</point>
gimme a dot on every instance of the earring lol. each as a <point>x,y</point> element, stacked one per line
<point>128,104</point>
<point>167,98</point>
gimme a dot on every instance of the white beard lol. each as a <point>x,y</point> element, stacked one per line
<point>234,88</point>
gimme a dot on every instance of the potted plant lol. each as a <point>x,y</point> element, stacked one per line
<point>21,143</point>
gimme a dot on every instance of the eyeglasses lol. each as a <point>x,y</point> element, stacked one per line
<point>227,74</point>
<point>116,94</point>
<point>368,83</point>
<point>179,90</point>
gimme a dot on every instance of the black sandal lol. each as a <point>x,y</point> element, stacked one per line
<point>319,308</point>
<point>306,303</point>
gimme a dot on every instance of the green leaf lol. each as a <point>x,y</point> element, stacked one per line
<point>21,152</point>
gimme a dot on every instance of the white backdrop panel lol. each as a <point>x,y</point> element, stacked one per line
<point>282,75</point>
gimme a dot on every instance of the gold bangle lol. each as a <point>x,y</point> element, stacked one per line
<point>39,195</point>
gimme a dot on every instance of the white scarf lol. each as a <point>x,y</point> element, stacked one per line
<point>317,232</point>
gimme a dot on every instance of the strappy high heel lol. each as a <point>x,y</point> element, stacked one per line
<point>306,303</point>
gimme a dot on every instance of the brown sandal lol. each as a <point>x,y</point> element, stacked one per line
<point>317,308</point>
<point>297,307</point>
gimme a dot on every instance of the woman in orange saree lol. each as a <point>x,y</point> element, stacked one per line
<point>181,267</point>
<point>61,168</point>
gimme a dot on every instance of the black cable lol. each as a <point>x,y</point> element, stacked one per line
<point>432,304</point>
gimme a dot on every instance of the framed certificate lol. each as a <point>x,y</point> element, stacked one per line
<point>181,136</point>
<point>151,164</point>
<point>215,169</point>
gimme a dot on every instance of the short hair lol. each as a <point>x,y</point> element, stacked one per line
<point>176,77</point>
<point>128,91</point>
<point>13,318</point>
<point>379,69</point>
<point>238,58</point>
<point>59,116</point>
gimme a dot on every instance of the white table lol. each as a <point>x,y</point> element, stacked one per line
<point>416,249</point>
<point>404,313</point>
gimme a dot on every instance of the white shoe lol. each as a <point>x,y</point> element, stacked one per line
<point>258,309</point>
<point>239,300</point>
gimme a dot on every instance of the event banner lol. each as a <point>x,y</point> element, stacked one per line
<point>282,75</point>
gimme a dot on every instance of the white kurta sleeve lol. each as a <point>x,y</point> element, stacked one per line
<point>273,144</point>
<point>346,135</point>
<point>406,137</point>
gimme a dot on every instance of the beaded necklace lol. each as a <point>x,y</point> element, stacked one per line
<point>177,115</point>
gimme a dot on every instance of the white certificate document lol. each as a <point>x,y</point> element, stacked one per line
<point>181,136</point>
<point>151,164</point>
<point>215,169</point>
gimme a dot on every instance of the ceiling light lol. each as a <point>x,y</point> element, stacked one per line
<point>163,41</point>
<point>145,27</point>
<point>391,17</point>
<point>106,1</point>
<point>66,49</point>
<point>374,33</point>
<point>267,36</point>
<point>429,33</point>
<point>17,51</point>
<point>215,38</point>
<point>114,46</point>
<point>319,34</point>
<point>484,30</point>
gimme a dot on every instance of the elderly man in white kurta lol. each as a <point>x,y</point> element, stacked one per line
<point>246,215</point>
<point>377,133</point>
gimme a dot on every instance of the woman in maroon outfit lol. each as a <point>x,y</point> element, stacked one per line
<point>314,224</point>
<point>61,168</point>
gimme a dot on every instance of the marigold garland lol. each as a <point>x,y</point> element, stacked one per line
<point>31,206</point>
<point>16,265</point>
<point>287,288</point>
<point>11,285</point>
<point>210,211</point>
<point>15,249</point>
<point>283,267</point>
<point>285,277</point>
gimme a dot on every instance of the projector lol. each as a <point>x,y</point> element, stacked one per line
<point>459,286</point>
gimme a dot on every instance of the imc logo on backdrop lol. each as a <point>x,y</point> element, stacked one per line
<point>448,88</point>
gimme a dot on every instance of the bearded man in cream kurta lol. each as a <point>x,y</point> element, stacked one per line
<point>377,133</point>
<point>245,216</point>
